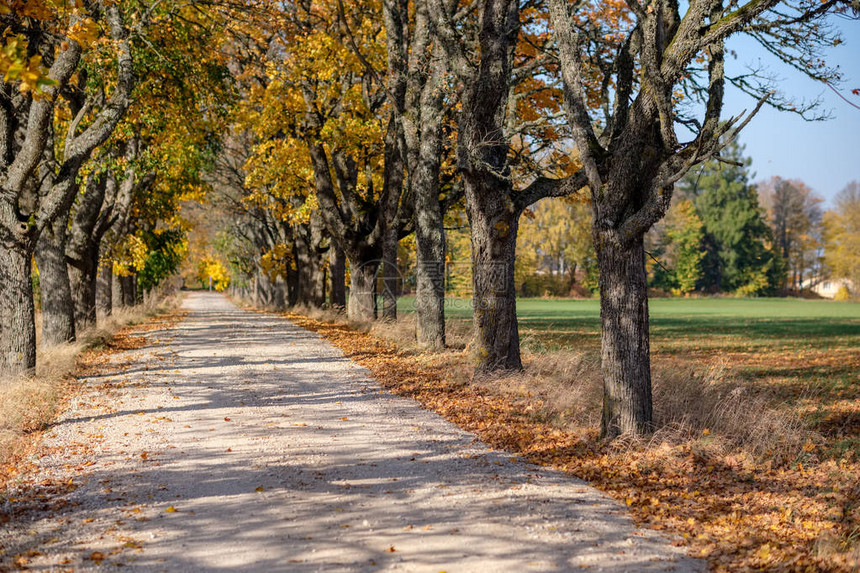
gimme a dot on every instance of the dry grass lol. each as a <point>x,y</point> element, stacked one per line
<point>732,468</point>
<point>724,416</point>
<point>708,409</point>
<point>705,408</point>
<point>29,403</point>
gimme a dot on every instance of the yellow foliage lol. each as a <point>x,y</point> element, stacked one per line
<point>276,260</point>
<point>210,267</point>
<point>15,66</point>
<point>85,32</point>
<point>130,256</point>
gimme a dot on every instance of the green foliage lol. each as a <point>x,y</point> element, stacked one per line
<point>165,251</point>
<point>681,250</point>
<point>739,254</point>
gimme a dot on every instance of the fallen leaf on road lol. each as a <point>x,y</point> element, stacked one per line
<point>170,509</point>
<point>390,549</point>
<point>97,557</point>
<point>261,488</point>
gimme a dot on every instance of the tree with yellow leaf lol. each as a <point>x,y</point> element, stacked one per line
<point>842,236</point>
<point>36,191</point>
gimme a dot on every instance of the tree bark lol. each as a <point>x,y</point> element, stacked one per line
<point>493,226</point>
<point>293,289</point>
<point>279,293</point>
<point>625,354</point>
<point>17,313</point>
<point>58,311</point>
<point>390,275</point>
<point>429,217</point>
<point>307,240</point>
<point>362,288</point>
<point>264,296</point>
<point>482,157</point>
<point>337,266</point>
<point>104,288</point>
<point>83,275</point>
<point>128,290</point>
<point>92,219</point>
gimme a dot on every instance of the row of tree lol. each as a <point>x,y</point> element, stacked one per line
<point>362,123</point>
<point>105,114</point>
<point>329,131</point>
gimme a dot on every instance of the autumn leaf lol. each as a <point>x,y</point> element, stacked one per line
<point>97,557</point>
<point>170,509</point>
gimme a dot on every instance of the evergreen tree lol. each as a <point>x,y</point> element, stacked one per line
<point>739,255</point>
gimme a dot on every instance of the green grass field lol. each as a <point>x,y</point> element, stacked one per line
<point>676,324</point>
<point>791,344</point>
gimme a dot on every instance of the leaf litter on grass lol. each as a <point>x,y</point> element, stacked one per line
<point>740,512</point>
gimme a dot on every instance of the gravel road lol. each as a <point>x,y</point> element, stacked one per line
<point>236,441</point>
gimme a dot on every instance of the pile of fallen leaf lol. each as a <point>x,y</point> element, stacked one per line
<point>738,513</point>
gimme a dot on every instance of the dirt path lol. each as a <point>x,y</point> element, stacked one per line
<point>237,441</point>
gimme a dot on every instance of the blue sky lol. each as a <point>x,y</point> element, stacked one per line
<point>826,154</point>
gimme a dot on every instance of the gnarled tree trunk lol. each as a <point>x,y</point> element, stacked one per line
<point>58,311</point>
<point>625,354</point>
<point>17,313</point>
<point>362,286</point>
<point>390,275</point>
<point>104,288</point>
<point>337,271</point>
<point>128,290</point>
<point>429,217</point>
<point>494,225</point>
<point>83,274</point>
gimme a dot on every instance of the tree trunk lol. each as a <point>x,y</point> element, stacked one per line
<point>264,296</point>
<point>390,275</point>
<point>494,224</point>
<point>58,311</point>
<point>318,281</point>
<point>293,289</point>
<point>310,271</point>
<point>17,313</point>
<point>362,288</point>
<point>104,288</point>
<point>83,276</point>
<point>429,218</point>
<point>337,266</point>
<point>127,291</point>
<point>625,351</point>
<point>279,293</point>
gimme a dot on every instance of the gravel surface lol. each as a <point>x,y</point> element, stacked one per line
<point>236,441</point>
